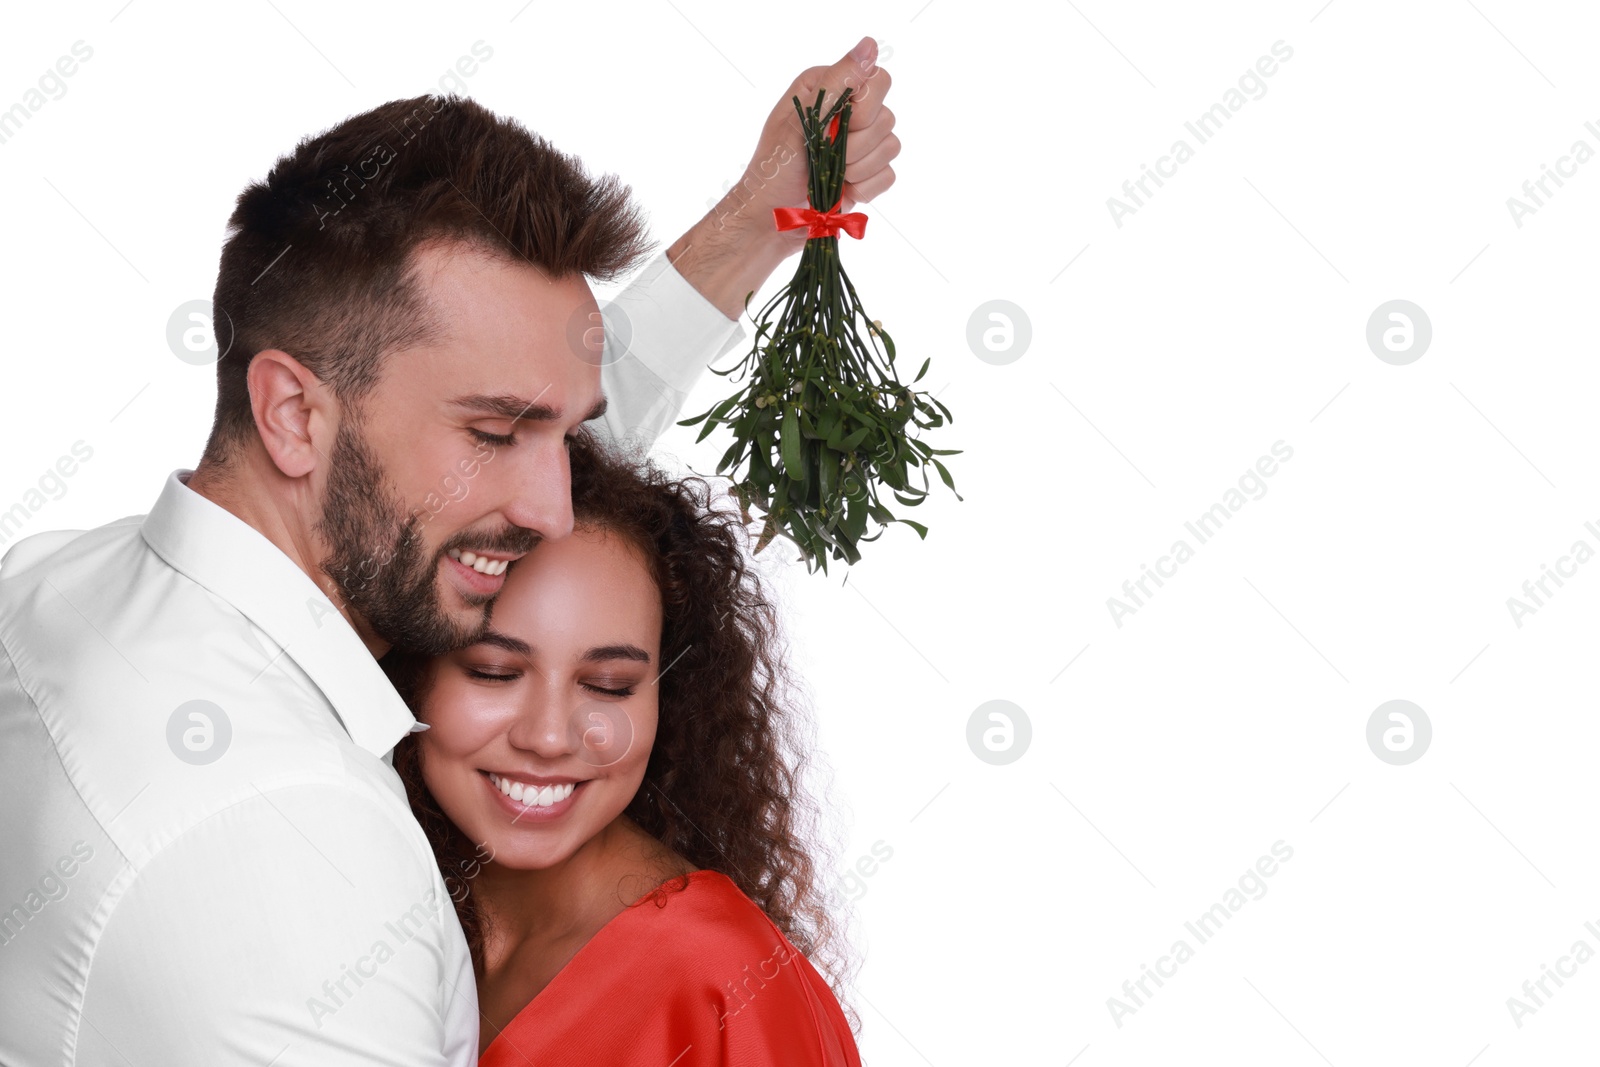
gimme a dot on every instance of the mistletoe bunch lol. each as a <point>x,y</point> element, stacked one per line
<point>823,421</point>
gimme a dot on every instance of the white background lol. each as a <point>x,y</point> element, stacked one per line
<point>1228,313</point>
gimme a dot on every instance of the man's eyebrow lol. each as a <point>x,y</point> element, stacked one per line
<point>598,654</point>
<point>506,406</point>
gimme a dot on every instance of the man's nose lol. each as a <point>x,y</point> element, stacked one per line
<point>542,494</point>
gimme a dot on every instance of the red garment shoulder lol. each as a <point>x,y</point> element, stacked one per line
<point>710,917</point>
<point>696,971</point>
<point>771,1004</point>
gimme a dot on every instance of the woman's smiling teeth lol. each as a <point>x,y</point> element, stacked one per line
<point>533,796</point>
<point>481,564</point>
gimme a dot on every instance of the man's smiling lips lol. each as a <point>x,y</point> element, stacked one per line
<point>482,572</point>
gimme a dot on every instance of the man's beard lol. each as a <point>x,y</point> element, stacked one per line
<point>380,562</point>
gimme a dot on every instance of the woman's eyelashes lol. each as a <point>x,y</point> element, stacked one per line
<point>626,690</point>
<point>492,676</point>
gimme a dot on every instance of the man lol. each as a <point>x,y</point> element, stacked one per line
<point>209,858</point>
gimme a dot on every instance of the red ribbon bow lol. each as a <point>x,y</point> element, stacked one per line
<point>821,223</point>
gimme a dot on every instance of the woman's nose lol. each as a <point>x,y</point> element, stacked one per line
<point>543,726</point>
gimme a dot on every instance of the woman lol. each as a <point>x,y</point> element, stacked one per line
<point>606,780</point>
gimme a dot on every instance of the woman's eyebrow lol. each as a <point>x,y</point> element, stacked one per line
<point>605,652</point>
<point>597,654</point>
<point>505,641</point>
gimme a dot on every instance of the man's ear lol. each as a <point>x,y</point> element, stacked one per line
<point>294,411</point>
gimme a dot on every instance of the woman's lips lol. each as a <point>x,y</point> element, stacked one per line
<point>521,812</point>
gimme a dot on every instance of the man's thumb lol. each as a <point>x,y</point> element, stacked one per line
<point>851,72</point>
<point>858,61</point>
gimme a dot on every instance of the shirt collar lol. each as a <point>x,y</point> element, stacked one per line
<point>235,561</point>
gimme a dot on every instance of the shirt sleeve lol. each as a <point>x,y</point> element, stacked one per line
<point>299,926</point>
<point>660,335</point>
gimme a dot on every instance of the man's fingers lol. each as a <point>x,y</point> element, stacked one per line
<point>867,100</point>
<point>876,159</point>
<point>866,103</point>
<point>872,187</point>
<point>872,143</point>
<point>865,136</point>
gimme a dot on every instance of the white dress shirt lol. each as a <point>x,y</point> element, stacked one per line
<point>207,857</point>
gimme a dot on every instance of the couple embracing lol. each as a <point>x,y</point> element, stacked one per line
<point>427,721</point>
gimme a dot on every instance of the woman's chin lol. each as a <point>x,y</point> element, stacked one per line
<point>517,856</point>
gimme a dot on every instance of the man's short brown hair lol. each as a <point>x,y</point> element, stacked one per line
<point>319,254</point>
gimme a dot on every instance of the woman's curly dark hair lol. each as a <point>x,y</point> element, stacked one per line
<point>722,785</point>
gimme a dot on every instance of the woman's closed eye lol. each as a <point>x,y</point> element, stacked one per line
<point>511,676</point>
<point>492,676</point>
<point>625,691</point>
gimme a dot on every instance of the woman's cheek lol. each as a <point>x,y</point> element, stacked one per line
<point>462,721</point>
<point>645,740</point>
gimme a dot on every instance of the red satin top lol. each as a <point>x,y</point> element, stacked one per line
<point>689,977</point>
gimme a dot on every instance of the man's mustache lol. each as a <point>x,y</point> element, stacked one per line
<point>520,542</point>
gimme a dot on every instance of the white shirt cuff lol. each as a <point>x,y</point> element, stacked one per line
<point>672,329</point>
